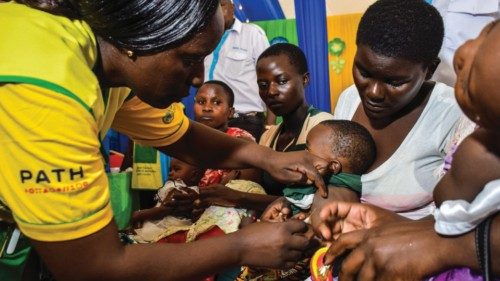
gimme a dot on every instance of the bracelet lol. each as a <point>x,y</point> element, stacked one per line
<point>483,247</point>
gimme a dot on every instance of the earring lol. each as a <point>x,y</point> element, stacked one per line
<point>477,119</point>
<point>129,53</point>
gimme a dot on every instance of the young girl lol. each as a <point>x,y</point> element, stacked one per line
<point>282,76</point>
<point>214,107</point>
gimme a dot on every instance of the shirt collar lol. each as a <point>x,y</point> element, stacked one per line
<point>237,25</point>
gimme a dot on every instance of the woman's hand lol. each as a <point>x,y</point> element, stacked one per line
<point>278,211</point>
<point>298,167</point>
<point>335,218</point>
<point>395,251</point>
<point>274,245</point>
<point>176,203</point>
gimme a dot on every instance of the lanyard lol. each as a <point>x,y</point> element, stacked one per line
<point>216,54</point>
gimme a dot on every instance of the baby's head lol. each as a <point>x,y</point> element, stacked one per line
<point>347,144</point>
<point>189,174</point>
<point>213,104</point>
<point>477,64</point>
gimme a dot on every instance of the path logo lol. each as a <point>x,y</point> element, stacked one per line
<point>49,176</point>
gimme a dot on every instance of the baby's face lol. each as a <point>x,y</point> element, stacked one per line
<point>318,143</point>
<point>477,64</point>
<point>182,171</point>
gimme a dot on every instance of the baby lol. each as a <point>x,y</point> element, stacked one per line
<point>468,196</point>
<point>349,148</point>
<point>150,223</point>
<point>175,201</point>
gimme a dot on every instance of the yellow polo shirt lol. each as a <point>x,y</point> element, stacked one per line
<point>52,118</point>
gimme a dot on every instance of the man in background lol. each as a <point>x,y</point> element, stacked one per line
<point>463,20</point>
<point>233,62</point>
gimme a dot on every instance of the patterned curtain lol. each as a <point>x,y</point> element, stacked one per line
<point>341,50</point>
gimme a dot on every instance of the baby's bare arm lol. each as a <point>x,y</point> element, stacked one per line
<point>474,165</point>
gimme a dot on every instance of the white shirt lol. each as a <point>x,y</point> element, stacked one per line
<point>236,65</point>
<point>463,20</point>
<point>404,183</point>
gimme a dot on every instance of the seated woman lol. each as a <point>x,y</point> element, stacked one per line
<point>468,196</point>
<point>282,76</point>
<point>410,117</point>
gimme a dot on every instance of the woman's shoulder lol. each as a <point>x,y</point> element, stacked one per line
<point>316,116</point>
<point>268,134</point>
<point>349,93</point>
<point>347,103</point>
<point>57,53</point>
<point>442,105</point>
<point>443,95</point>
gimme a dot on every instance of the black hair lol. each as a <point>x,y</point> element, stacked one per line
<point>352,141</point>
<point>408,29</point>
<point>142,26</point>
<point>295,55</point>
<point>229,92</point>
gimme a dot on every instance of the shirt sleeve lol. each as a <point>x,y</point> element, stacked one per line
<point>347,104</point>
<point>151,126</point>
<point>53,177</point>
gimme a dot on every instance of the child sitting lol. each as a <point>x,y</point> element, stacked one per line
<point>350,149</point>
<point>214,107</point>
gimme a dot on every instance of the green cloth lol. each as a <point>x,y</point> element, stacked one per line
<point>351,181</point>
